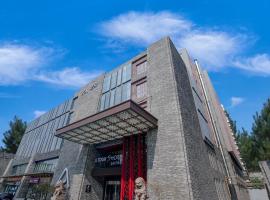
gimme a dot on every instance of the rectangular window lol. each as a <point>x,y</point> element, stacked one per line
<point>197,94</point>
<point>19,169</point>
<point>141,90</point>
<point>204,126</point>
<point>46,165</point>
<point>126,91</point>
<point>114,79</point>
<point>116,87</point>
<point>119,76</point>
<point>118,95</point>
<point>126,74</point>
<point>141,68</point>
<point>106,83</point>
<point>107,100</point>
<point>112,97</point>
<point>102,102</point>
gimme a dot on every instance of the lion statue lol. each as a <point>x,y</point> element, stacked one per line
<point>140,189</point>
<point>59,192</point>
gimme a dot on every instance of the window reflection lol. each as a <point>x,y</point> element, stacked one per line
<point>116,87</point>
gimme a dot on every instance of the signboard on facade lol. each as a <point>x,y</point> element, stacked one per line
<point>109,160</point>
<point>34,180</point>
<point>89,88</point>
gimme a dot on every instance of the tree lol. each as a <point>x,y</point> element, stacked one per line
<point>13,136</point>
<point>261,132</point>
<point>255,146</point>
<point>231,122</point>
<point>246,147</point>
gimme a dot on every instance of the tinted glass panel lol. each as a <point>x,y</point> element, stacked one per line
<point>106,83</point>
<point>119,76</point>
<point>126,91</point>
<point>102,102</point>
<point>118,95</point>
<point>112,98</point>
<point>126,74</point>
<point>114,79</point>
<point>107,100</point>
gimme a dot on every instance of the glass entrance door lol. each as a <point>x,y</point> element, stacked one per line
<point>112,190</point>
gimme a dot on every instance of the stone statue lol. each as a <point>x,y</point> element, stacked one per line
<point>140,189</point>
<point>59,192</point>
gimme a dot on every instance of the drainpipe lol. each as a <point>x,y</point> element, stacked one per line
<point>212,121</point>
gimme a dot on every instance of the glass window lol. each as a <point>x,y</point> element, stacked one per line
<point>116,87</point>
<point>19,169</point>
<point>126,91</point>
<point>102,102</point>
<point>112,98</point>
<point>106,83</point>
<point>141,68</point>
<point>126,75</point>
<point>113,79</point>
<point>107,100</point>
<point>141,90</point>
<point>118,95</point>
<point>46,165</point>
<point>119,76</point>
<point>204,125</point>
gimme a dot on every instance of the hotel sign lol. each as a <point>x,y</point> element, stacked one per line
<point>109,160</point>
<point>89,88</point>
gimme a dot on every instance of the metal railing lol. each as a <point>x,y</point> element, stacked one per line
<point>44,167</point>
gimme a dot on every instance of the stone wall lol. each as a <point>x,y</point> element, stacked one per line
<point>4,161</point>
<point>74,156</point>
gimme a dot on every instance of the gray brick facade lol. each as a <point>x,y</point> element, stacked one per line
<point>183,158</point>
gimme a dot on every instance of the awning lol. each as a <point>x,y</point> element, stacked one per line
<point>116,122</point>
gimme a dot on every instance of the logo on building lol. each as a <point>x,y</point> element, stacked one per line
<point>89,88</point>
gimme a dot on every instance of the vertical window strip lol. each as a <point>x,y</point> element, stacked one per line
<point>57,121</point>
<point>102,102</point>
<point>40,131</point>
<point>141,68</point>
<point>126,90</point>
<point>118,95</point>
<point>57,140</point>
<point>119,76</point>
<point>116,87</point>
<point>114,80</point>
<point>43,134</point>
<point>107,100</point>
<point>106,83</point>
<point>141,90</point>
<point>112,97</point>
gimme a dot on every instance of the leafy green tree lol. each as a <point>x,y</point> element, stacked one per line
<point>232,123</point>
<point>255,146</point>
<point>261,132</point>
<point>246,147</point>
<point>13,136</point>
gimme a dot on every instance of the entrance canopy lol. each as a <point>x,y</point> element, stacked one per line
<point>124,119</point>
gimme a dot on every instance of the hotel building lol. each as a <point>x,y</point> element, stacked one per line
<point>156,116</point>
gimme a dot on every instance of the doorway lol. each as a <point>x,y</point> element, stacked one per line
<point>112,189</point>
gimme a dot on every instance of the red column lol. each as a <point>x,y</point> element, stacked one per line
<point>140,156</point>
<point>123,170</point>
<point>131,167</point>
